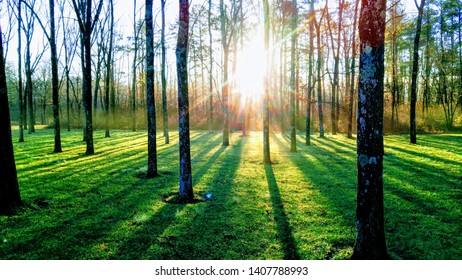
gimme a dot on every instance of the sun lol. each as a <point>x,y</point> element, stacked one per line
<point>250,69</point>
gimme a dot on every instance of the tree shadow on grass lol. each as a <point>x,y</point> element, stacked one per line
<point>284,229</point>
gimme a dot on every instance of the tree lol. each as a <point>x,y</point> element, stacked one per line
<point>83,11</point>
<point>152,151</point>
<point>55,79</point>
<point>310,86</point>
<point>293,39</point>
<point>211,67</point>
<point>370,237</point>
<point>10,197</point>
<point>51,36</point>
<point>186,188</point>
<point>353,73</point>
<point>266,117</point>
<point>317,24</point>
<point>109,70</point>
<point>415,69</point>
<point>162,73</point>
<point>20,88</point>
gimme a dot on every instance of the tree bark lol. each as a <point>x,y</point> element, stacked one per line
<point>266,114</point>
<point>150,99</point>
<point>10,197</point>
<point>186,188</point>
<point>163,78</point>
<point>415,69</point>
<point>353,73</point>
<point>20,88</point>
<point>293,37</point>
<point>370,237</point>
<point>55,80</point>
<point>109,69</point>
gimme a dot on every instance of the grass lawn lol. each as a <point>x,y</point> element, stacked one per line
<point>300,207</point>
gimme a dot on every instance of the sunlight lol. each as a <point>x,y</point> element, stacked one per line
<point>250,70</point>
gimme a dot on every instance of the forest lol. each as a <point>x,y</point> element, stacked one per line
<point>231,129</point>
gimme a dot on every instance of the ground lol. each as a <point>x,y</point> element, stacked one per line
<point>301,206</point>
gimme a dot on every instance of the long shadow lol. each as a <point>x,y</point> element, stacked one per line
<point>283,227</point>
<point>212,219</point>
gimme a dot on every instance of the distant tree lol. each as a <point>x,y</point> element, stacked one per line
<point>415,69</point>
<point>310,86</point>
<point>20,88</point>
<point>293,40</point>
<point>109,68</point>
<point>9,188</point>
<point>163,76</point>
<point>370,236</point>
<point>353,73</point>
<point>209,21</point>
<point>51,36</point>
<point>186,188</point>
<point>150,100</point>
<point>317,24</point>
<point>266,115</point>
<point>83,11</point>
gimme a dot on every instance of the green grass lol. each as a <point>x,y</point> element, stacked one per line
<point>301,206</point>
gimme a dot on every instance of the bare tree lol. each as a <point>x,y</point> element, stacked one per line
<point>266,115</point>
<point>83,11</point>
<point>109,68</point>
<point>353,72</point>
<point>186,188</point>
<point>415,69</point>
<point>163,76</point>
<point>152,150</point>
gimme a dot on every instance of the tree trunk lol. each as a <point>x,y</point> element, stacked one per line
<point>225,75</point>
<point>293,130</point>
<point>319,79</point>
<point>310,86</point>
<point>150,99</point>
<point>266,140</point>
<point>353,72</point>
<point>370,238</point>
<point>109,62</point>
<point>20,89</point>
<point>55,80</point>
<point>211,68</point>
<point>415,69</point>
<point>186,188</point>
<point>9,188</point>
<point>163,78</point>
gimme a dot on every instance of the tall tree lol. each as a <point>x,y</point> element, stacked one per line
<point>370,237</point>
<point>319,77</point>
<point>415,69</point>
<point>353,73</point>
<point>310,86</point>
<point>163,76</point>
<point>83,11</point>
<point>266,115</point>
<point>20,88</point>
<point>152,150</point>
<point>51,36</point>
<point>136,31</point>
<point>211,67</point>
<point>55,79</point>
<point>109,70</point>
<point>293,39</point>
<point>225,40</point>
<point>186,188</point>
<point>9,188</point>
